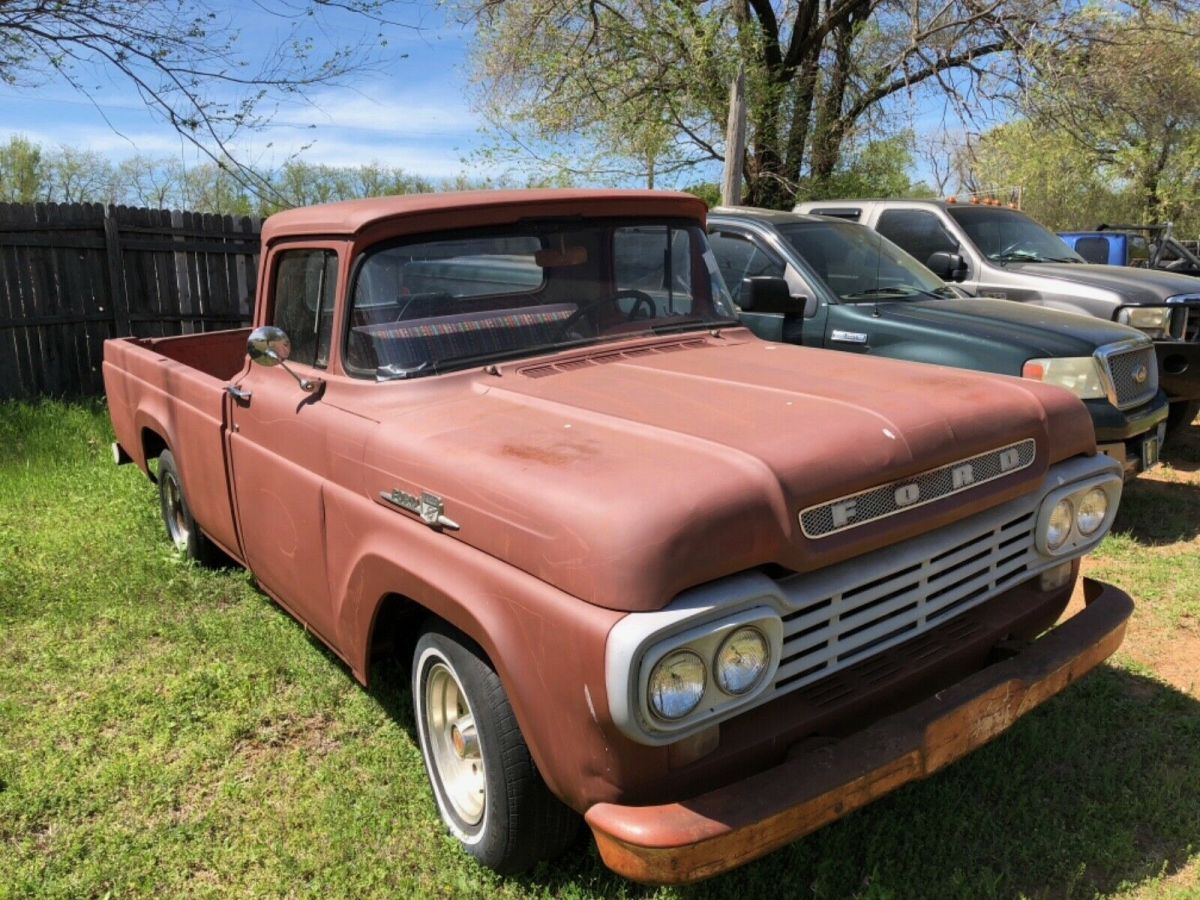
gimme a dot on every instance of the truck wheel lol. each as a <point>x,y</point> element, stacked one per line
<point>488,790</point>
<point>1182,414</point>
<point>177,516</point>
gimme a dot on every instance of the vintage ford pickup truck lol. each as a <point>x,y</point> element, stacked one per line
<point>708,591</point>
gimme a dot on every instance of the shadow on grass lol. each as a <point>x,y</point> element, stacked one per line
<point>1100,788</point>
<point>1159,512</point>
<point>1182,448</point>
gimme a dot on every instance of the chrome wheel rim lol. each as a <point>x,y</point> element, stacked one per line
<point>173,510</point>
<point>454,744</point>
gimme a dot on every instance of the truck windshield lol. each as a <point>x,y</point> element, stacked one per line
<point>860,265</point>
<point>436,303</point>
<point>1005,235</point>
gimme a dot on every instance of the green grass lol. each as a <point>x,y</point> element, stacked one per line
<point>166,730</point>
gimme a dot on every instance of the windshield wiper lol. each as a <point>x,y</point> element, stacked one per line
<point>897,291</point>
<point>1021,256</point>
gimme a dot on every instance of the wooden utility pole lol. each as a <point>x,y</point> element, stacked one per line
<point>735,141</point>
<point>735,128</point>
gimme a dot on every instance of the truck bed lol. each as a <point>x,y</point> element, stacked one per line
<point>170,393</point>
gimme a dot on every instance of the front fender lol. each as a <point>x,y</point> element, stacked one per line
<point>546,646</point>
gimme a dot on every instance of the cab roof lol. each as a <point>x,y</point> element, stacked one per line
<point>410,213</point>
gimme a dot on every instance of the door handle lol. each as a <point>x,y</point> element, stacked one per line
<point>240,395</point>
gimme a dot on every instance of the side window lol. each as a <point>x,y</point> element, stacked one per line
<point>739,257</point>
<point>916,231</point>
<point>305,281</point>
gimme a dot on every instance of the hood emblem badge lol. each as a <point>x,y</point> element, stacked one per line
<point>1140,374</point>
<point>429,507</point>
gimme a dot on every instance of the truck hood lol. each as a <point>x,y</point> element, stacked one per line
<point>626,474</point>
<point>1135,286</point>
<point>1033,330</point>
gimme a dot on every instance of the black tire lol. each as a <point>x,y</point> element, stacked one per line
<point>1182,414</point>
<point>182,529</point>
<point>521,822</point>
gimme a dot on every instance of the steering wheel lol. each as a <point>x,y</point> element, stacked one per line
<point>640,298</point>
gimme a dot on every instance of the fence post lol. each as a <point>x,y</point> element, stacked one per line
<point>116,275</point>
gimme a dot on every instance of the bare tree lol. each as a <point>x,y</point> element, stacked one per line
<point>187,59</point>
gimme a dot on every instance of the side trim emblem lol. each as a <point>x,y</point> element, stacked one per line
<point>847,337</point>
<point>429,507</point>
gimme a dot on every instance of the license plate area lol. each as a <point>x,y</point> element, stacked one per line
<point>1150,452</point>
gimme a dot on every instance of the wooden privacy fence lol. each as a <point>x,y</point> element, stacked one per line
<point>72,275</point>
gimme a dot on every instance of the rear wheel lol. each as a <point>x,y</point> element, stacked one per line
<point>182,529</point>
<point>1182,414</point>
<point>488,790</point>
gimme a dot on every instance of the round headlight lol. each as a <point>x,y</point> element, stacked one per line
<point>677,684</point>
<point>741,661</point>
<point>1058,529</point>
<point>1092,510</point>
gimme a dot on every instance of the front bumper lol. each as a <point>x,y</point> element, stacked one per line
<point>686,841</point>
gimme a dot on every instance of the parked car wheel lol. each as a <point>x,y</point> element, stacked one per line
<point>1182,414</point>
<point>182,529</point>
<point>488,790</point>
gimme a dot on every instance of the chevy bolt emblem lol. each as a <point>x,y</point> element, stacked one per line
<point>1140,374</point>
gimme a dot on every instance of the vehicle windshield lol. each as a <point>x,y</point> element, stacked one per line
<point>1005,235</point>
<point>859,265</point>
<point>432,304</point>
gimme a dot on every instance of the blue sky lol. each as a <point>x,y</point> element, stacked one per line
<point>410,111</point>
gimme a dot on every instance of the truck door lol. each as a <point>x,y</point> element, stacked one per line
<point>282,441</point>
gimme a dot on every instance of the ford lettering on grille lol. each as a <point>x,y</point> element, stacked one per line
<point>886,500</point>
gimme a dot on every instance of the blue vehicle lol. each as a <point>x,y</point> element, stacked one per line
<point>1141,246</point>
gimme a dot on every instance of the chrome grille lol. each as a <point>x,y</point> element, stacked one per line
<point>828,630</point>
<point>885,500</point>
<point>1123,371</point>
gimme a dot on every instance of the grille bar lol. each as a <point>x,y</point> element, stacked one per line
<point>845,623</point>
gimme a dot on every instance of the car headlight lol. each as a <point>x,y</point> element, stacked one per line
<point>741,660</point>
<point>1092,510</point>
<point>677,684</point>
<point>1058,528</point>
<point>1078,374</point>
<point>1155,321</point>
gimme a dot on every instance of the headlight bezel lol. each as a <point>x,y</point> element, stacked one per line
<point>1156,322</point>
<point>1076,542</point>
<point>706,640</point>
<point>1083,376</point>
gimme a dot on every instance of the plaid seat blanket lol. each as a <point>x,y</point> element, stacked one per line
<point>407,344</point>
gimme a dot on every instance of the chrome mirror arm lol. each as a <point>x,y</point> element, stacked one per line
<point>307,385</point>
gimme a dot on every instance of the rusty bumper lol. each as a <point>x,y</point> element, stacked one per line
<point>725,828</point>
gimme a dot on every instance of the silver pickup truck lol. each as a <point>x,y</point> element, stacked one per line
<point>995,251</point>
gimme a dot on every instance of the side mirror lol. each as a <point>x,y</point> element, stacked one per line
<point>947,266</point>
<point>763,294</point>
<point>269,346</point>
